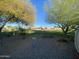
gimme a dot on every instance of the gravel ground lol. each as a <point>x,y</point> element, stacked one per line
<point>42,48</point>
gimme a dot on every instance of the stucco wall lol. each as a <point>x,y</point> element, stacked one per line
<point>77,40</point>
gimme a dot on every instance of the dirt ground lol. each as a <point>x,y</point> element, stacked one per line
<point>37,47</point>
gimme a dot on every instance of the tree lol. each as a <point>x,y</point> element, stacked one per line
<point>64,13</point>
<point>12,10</point>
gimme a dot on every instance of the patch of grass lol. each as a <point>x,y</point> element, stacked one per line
<point>5,34</point>
<point>38,33</point>
<point>49,32</point>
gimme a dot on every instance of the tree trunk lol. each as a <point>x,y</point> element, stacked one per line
<point>65,30</point>
<point>6,22</point>
<point>3,26</point>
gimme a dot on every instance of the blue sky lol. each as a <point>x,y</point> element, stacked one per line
<point>40,13</point>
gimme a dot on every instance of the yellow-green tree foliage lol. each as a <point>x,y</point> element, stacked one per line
<point>19,8</point>
<point>64,11</point>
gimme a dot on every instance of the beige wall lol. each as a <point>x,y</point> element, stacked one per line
<point>77,40</point>
<point>45,28</point>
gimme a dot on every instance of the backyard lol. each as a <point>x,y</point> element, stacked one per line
<point>39,29</point>
<point>38,45</point>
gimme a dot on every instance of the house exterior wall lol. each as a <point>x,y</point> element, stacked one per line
<point>77,40</point>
